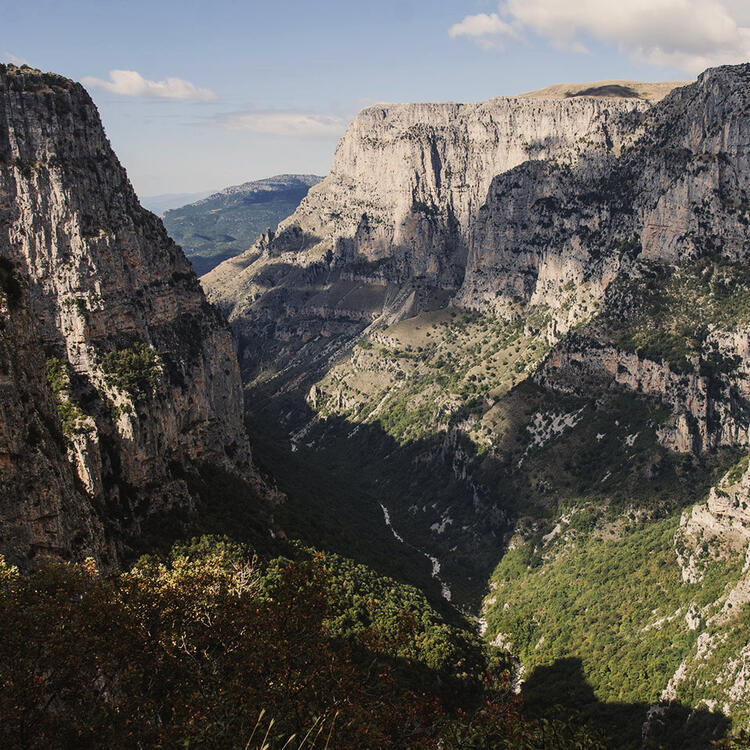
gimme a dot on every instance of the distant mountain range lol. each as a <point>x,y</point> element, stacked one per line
<point>158,204</point>
<point>226,223</point>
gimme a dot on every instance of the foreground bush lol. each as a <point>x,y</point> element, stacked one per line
<point>207,649</point>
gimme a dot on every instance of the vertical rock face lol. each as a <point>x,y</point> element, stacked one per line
<point>387,233</point>
<point>44,511</point>
<point>140,369</point>
<point>677,191</point>
<point>408,179</point>
<point>405,165</point>
<point>544,201</point>
<point>671,213</point>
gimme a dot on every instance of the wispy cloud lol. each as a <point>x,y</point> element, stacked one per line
<point>132,83</point>
<point>488,30</point>
<point>15,59</point>
<point>688,34</point>
<point>283,122</point>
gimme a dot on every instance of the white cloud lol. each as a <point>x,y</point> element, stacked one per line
<point>277,122</point>
<point>15,59</point>
<point>486,30</point>
<point>132,83</point>
<point>687,34</point>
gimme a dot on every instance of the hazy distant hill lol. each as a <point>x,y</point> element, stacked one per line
<point>158,204</point>
<point>228,222</point>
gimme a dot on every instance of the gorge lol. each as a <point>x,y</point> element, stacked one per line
<point>500,355</point>
<point>522,325</point>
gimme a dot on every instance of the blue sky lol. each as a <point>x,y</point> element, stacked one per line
<point>213,94</point>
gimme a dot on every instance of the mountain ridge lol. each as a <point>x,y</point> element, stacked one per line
<point>264,184</point>
<point>228,221</point>
<point>134,375</point>
<point>654,91</point>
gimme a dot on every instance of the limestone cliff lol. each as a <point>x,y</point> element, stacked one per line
<point>140,383</point>
<point>387,233</point>
<point>44,512</point>
<point>539,200</point>
<point>678,190</point>
<point>408,179</point>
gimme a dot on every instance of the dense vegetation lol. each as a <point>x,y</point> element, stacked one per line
<point>619,604</point>
<point>211,648</point>
<point>133,370</point>
<point>72,418</point>
<point>590,597</point>
<point>669,313</point>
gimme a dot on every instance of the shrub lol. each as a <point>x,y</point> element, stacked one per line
<point>134,370</point>
<point>72,418</point>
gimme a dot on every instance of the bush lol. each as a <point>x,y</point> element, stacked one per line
<point>72,418</point>
<point>134,370</point>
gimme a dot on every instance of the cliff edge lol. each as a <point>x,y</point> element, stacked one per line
<point>118,379</point>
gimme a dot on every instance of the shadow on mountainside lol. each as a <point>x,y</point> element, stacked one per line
<point>608,90</point>
<point>453,502</point>
<point>333,503</point>
<point>340,472</point>
<point>669,726</point>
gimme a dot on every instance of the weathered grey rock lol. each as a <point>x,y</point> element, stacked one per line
<point>718,529</point>
<point>678,190</point>
<point>721,524</point>
<point>408,179</point>
<point>707,412</point>
<point>386,234</point>
<point>44,511</point>
<point>102,277</point>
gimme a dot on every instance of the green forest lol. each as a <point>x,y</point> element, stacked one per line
<point>210,646</point>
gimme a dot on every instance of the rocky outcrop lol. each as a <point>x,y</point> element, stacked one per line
<point>408,179</point>
<point>717,532</point>
<point>142,370</point>
<point>678,190</point>
<point>706,411</point>
<point>718,527</point>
